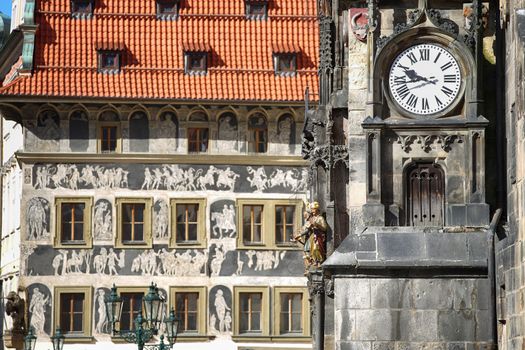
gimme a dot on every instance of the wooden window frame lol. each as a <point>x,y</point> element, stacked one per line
<point>198,126</point>
<point>86,335</point>
<point>118,148</point>
<point>277,291</point>
<point>256,16</point>
<point>88,212</point>
<point>120,290</point>
<point>268,226</point>
<point>265,310</point>
<point>278,56</point>
<point>148,241</point>
<point>201,223</point>
<point>107,69</point>
<point>202,311</point>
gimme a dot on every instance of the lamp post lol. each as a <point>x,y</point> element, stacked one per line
<point>58,340</point>
<point>145,329</point>
<point>30,340</point>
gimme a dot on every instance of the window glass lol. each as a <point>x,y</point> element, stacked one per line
<point>71,312</point>
<point>82,6</point>
<point>133,222</point>
<point>252,224</point>
<point>131,307</point>
<point>187,311</point>
<point>108,138</point>
<point>187,222</point>
<point>284,223</point>
<point>250,312</point>
<point>72,222</point>
<point>197,140</point>
<point>258,133</point>
<point>291,313</point>
<point>168,7</point>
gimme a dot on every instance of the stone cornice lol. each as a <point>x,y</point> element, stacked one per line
<point>217,159</point>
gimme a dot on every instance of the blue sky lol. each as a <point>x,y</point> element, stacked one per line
<point>5,6</point>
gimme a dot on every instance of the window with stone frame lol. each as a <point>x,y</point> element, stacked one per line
<point>73,222</point>
<point>109,133</point>
<point>268,223</point>
<point>134,222</point>
<point>189,304</point>
<point>257,133</point>
<point>256,9</point>
<point>188,222</point>
<point>131,308</point>
<point>82,8</point>
<point>72,311</point>
<point>251,311</point>
<point>291,317</point>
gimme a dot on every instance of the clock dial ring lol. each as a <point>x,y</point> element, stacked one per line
<point>425,79</point>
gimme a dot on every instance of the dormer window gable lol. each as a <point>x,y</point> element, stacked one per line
<point>196,58</point>
<point>110,57</point>
<point>82,9</point>
<point>285,59</point>
<point>256,9</point>
<point>168,9</point>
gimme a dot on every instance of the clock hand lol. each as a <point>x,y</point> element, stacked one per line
<point>424,84</point>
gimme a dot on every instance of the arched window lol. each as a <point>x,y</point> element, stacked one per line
<point>78,131</point>
<point>48,124</point>
<point>168,130</point>
<point>257,133</point>
<point>139,132</point>
<point>425,195</point>
<point>198,133</point>
<point>108,132</point>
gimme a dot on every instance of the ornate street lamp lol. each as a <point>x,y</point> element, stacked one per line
<point>30,340</point>
<point>58,340</point>
<point>146,328</point>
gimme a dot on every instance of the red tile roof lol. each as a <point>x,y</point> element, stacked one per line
<point>241,66</point>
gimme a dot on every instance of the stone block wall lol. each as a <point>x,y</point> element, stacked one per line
<point>403,313</point>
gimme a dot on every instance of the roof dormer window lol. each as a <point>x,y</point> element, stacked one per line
<point>196,59</point>
<point>167,9</point>
<point>109,62</point>
<point>81,8</point>
<point>256,9</point>
<point>285,59</point>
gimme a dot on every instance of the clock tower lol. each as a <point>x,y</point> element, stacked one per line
<point>410,264</point>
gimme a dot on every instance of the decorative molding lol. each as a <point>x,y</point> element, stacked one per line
<point>426,141</point>
<point>328,156</point>
<point>135,158</point>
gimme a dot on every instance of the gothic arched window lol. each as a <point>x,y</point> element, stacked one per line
<point>139,132</point>
<point>257,133</point>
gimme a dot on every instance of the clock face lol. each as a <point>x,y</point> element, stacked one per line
<point>425,79</point>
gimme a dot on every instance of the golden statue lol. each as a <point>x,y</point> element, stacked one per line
<point>313,236</point>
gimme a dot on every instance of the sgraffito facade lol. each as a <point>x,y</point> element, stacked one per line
<point>172,159</point>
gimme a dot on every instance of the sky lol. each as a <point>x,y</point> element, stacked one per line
<point>5,7</point>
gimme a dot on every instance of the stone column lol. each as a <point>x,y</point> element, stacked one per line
<point>316,289</point>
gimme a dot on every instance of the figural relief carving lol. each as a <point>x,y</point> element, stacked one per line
<point>102,322</point>
<point>220,310</point>
<point>66,176</point>
<point>161,216</point>
<point>37,308</point>
<point>172,263</point>
<point>264,260</point>
<point>37,219</point>
<point>224,222</point>
<point>103,225</point>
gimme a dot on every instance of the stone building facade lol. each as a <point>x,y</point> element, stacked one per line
<point>403,174</point>
<point>162,145</point>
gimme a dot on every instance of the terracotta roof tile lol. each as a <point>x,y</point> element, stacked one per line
<point>241,66</point>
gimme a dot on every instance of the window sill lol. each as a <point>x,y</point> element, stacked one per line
<point>268,247</point>
<point>188,245</point>
<point>75,245</point>
<point>188,338</point>
<point>73,338</point>
<point>272,339</point>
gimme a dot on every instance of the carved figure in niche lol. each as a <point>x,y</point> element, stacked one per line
<point>37,212</point>
<point>227,140</point>
<point>224,221</point>
<point>228,321</point>
<point>42,180</point>
<point>258,179</point>
<point>37,308</point>
<point>226,178</point>
<point>220,310</point>
<point>240,264</point>
<point>102,322</point>
<point>103,220</point>
<point>217,261</point>
<point>113,259</point>
<point>48,126</point>
<point>161,220</point>
<point>168,130</point>
<point>313,236</point>
<point>15,307</point>
<point>285,130</point>
<point>100,261</point>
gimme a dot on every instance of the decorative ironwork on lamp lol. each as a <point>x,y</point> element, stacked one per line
<point>58,340</point>
<point>30,340</point>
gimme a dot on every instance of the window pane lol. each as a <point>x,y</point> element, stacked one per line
<point>138,232</point>
<point>256,301</point>
<point>67,234</point>
<point>192,232</point>
<point>77,322</point>
<point>289,214</point>
<point>131,307</point>
<point>139,212</point>
<point>126,232</point>
<point>296,323</point>
<point>256,321</point>
<point>257,234</point>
